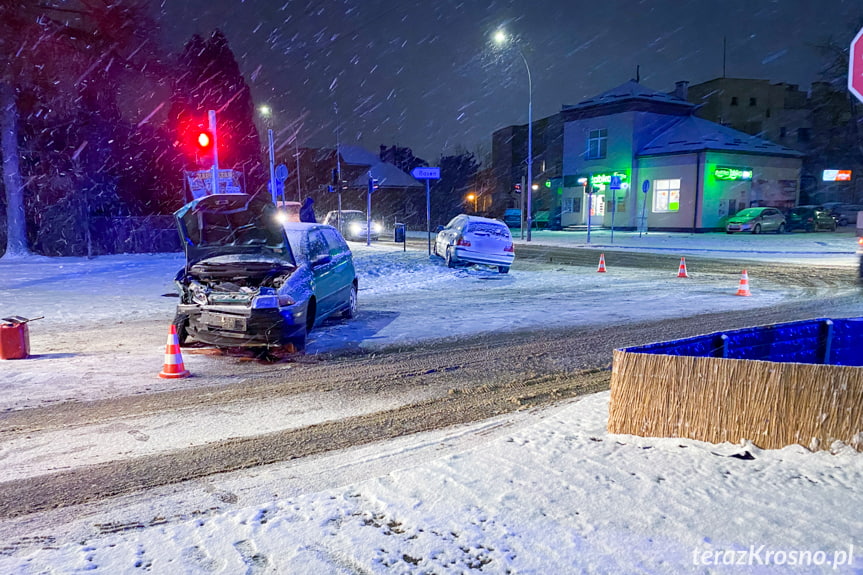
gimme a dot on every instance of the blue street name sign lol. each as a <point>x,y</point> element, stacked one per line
<point>426,173</point>
<point>281,172</point>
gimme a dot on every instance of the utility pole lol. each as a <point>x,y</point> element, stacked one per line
<point>211,116</point>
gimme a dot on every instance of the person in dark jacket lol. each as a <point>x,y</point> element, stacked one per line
<point>307,211</point>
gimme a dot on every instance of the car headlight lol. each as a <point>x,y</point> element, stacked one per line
<point>355,228</point>
<point>377,227</point>
<point>265,301</point>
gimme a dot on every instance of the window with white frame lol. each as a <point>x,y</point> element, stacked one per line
<point>597,144</point>
<point>566,205</point>
<point>666,195</point>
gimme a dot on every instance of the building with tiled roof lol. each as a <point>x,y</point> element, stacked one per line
<point>696,173</point>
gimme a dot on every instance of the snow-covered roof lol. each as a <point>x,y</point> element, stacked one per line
<point>691,134</point>
<point>629,91</point>
<point>388,176</point>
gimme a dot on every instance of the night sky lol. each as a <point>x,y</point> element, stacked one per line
<point>425,74</point>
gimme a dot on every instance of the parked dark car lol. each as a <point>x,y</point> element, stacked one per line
<point>809,219</point>
<point>243,286</point>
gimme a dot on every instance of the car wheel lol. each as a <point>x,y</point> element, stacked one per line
<point>351,312</point>
<point>503,269</point>
<point>833,227</point>
<point>298,343</point>
<point>181,321</point>
<point>756,229</point>
<point>780,229</point>
<point>450,263</point>
<point>729,233</point>
<point>311,310</point>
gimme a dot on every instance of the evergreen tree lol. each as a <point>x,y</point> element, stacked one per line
<point>211,80</point>
<point>448,193</point>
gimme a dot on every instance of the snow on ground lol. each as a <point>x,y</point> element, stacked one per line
<point>546,491</point>
<point>106,319</point>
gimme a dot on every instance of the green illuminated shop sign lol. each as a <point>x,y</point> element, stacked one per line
<point>731,174</point>
<point>603,181</point>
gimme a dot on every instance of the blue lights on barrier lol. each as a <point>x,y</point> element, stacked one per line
<point>820,341</point>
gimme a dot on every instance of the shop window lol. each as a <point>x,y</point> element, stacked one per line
<point>597,144</point>
<point>666,195</point>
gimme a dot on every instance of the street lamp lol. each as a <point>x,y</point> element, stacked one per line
<point>472,197</point>
<point>501,38</point>
<point>267,112</point>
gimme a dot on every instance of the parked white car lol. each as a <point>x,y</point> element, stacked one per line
<point>475,240</point>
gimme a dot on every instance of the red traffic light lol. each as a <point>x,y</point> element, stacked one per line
<point>204,139</point>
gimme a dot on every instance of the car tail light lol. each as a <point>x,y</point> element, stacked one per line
<point>860,241</point>
<point>463,242</point>
<point>509,248</point>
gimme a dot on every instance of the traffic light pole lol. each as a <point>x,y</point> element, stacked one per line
<point>272,167</point>
<point>211,116</point>
<point>369,211</point>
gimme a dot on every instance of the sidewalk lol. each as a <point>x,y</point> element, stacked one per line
<point>818,248</point>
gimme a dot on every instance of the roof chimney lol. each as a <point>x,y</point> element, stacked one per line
<point>681,89</point>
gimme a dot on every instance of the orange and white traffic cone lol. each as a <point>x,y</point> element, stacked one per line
<point>173,368</point>
<point>681,271</point>
<point>601,268</point>
<point>744,285</point>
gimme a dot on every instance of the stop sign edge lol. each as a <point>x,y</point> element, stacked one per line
<point>857,39</point>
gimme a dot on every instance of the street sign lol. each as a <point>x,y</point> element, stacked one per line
<point>855,66</point>
<point>645,186</point>
<point>615,182</point>
<point>426,173</point>
<point>281,173</point>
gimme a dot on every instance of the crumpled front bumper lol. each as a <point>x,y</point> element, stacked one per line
<point>234,326</point>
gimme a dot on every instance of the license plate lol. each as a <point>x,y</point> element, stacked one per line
<point>224,321</point>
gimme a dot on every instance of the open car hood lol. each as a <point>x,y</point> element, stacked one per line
<point>232,224</point>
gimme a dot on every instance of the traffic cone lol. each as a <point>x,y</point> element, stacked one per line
<point>744,285</point>
<point>681,271</point>
<point>601,268</point>
<point>173,368</point>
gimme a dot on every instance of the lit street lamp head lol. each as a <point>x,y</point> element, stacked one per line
<point>500,37</point>
<point>265,110</point>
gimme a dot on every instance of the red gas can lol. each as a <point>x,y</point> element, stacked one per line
<point>14,340</point>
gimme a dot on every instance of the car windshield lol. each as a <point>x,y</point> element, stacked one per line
<point>800,211</point>
<point>749,213</point>
<point>349,217</point>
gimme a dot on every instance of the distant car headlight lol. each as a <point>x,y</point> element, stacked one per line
<point>281,217</point>
<point>355,229</point>
<point>377,227</point>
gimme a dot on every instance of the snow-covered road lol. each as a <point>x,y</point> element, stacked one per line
<point>534,491</point>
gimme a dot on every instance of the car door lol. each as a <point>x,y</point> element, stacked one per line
<point>343,272</point>
<point>323,269</point>
<point>771,219</point>
<point>447,236</point>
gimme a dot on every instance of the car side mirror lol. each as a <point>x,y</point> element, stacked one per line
<point>439,229</point>
<point>322,260</point>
